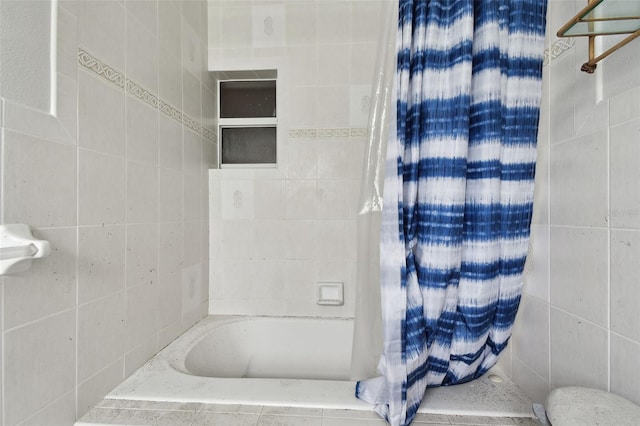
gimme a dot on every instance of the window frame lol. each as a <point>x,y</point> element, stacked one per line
<point>246,123</point>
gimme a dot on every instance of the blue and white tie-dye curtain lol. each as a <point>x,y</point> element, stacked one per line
<point>458,193</point>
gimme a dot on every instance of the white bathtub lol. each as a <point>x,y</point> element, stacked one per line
<point>295,362</point>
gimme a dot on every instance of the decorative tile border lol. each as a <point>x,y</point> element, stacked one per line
<point>141,93</point>
<point>104,71</point>
<point>208,134</point>
<point>358,132</point>
<point>191,123</point>
<point>327,133</point>
<point>302,133</point>
<point>94,65</point>
<point>170,111</point>
<point>557,49</point>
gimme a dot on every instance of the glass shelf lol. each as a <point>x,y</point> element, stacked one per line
<point>604,17</point>
<point>601,18</point>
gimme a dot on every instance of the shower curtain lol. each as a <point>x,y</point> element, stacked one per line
<point>457,193</point>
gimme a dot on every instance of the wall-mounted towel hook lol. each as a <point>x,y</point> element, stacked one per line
<point>18,248</point>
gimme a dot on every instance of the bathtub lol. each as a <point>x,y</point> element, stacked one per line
<point>291,362</point>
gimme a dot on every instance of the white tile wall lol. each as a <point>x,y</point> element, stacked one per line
<point>590,239</point>
<point>121,201</point>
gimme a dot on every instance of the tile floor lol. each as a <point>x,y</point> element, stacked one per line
<point>126,412</point>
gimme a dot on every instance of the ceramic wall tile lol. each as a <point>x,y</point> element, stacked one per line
<point>59,412</point>
<point>140,354</point>
<point>363,63</point>
<point>563,90</point>
<point>170,196</point>
<point>618,70</point>
<point>268,25</point>
<point>192,197</point>
<point>141,314</point>
<point>625,251</point>
<point>332,199</point>
<point>578,352</point>
<point>237,199</point>
<point>67,106</point>
<point>101,30</point>
<point>269,199</point>
<point>533,385</point>
<point>92,390</point>
<point>333,107</point>
<point>170,28</point>
<point>146,11</point>
<point>169,143</point>
<point>303,72</point>
<point>67,39</point>
<point>142,132</point>
<point>301,200</point>
<point>191,293</point>
<point>101,261</point>
<point>303,103</point>
<point>48,347</point>
<point>235,28</point>
<point>169,273</point>
<point>579,273</point>
<point>101,189</point>
<point>170,78</point>
<point>625,106</point>
<point>339,72</point>
<point>39,184</point>
<point>301,24</point>
<point>213,24</point>
<point>532,325</point>
<point>579,177</point>
<point>142,254</point>
<point>268,241</point>
<point>625,189</point>
<point>191,93</point>
<point>302,159</point>
<point>142,193</point>
<point>192,153</point>
<point>192,253</point>
<point>99,201</point>
<point>142,55</point>
<point>191,13</point>
<point>101,115</point>
<point>32,295</point>
<point>334,21</point>
<point>625,368</point>
<point>332,161</point>
<point>100,334</point>
<point>191,51</point>
<point>536,269</point>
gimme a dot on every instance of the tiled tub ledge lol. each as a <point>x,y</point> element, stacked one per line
<point>128,412</point>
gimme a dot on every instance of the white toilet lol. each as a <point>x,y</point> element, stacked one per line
<point>578,406</point>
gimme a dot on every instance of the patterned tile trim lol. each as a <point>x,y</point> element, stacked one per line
<point>141,93</point>
<point>327,133</point>
<point>358,132</point>
<point>170,111</point>
<point>94,65</point>
<point>99,68</point>
<point>302,133</point>
<point>557,49</point>
<point>208,134</point>
<point>191,123</point>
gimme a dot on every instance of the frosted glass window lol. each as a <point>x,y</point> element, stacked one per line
<point>248,145</point>
<point>247,99</point>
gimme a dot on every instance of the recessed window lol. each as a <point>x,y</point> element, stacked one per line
<point>247,123</point>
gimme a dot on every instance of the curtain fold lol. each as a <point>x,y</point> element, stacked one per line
<point>458,193</point>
